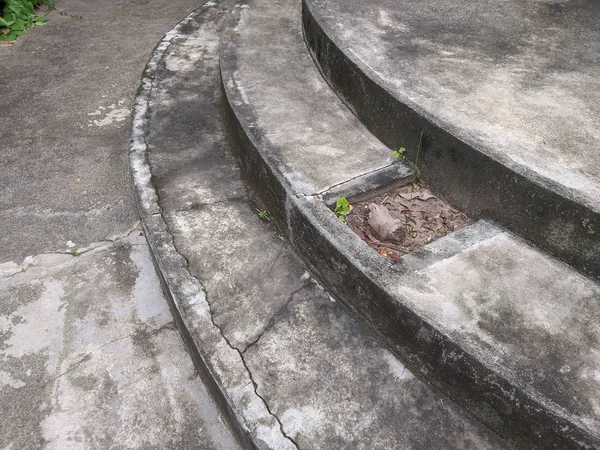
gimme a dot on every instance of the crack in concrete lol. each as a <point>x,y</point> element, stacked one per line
<point>324,192</point>
<point>155,210</point>
<point>255,386</point>
<point>278,313</point>
<point>76,252</point>
<point>85,358</point>
<point>101,244</point>
<point>212,319</point>
<point>281,250</point>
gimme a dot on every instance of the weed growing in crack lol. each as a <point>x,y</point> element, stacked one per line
<point>140,88</point>
<point>264,214</point>
<point>401,154</point>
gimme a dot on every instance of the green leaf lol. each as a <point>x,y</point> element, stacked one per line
<point>19,15</point>
<point>342,208</point>
<point>400,153</point>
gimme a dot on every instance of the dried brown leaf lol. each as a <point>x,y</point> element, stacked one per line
<point>385,226</point>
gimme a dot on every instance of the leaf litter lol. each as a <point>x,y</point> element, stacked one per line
<point>399,221</point>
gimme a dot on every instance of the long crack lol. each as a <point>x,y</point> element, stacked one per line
<point>241,353</point>
<point>255,385</point>
<point>23,267</point>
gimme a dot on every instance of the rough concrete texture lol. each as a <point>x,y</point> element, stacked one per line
<point>528,316</point>
<point>515,79</point>
<point>215,237</point>
<point>334,386</point>
<point>270,76</point>
<point>511,390</point>
<point>182,81</point>
<point>243,265</point>
<point>202,195</point>
<point>65,118</point>
<point>91,359</point>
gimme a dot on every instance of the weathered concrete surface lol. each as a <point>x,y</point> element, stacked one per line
<point>513,393</point>
<point>500,326</point>
<point>519,79</point>
<point>90,357</point>
<point>335,386</point>
<point>67,90</point>
<point>495,91</point>
<point>248,271</point>
<point>314,140</point>
<point>180,146</point>
<point>203,197</point>
<point>206,235</point>
<point>530,317</point>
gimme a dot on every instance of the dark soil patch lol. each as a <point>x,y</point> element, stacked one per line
<point>425,218</point>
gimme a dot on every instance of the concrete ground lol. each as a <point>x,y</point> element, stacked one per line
<point>89,354</point>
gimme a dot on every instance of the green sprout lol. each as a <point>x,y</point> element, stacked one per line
<point>342,208</point>
<point>400,153</point>
<point>264,214</point>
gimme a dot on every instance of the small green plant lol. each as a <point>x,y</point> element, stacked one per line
<point>418,168</point>
<point>342,208</point>
<point>400,153</point>
<point>264,214</point>
<point>75,251</point>
<point>19,15</point>
<point>140,88</point>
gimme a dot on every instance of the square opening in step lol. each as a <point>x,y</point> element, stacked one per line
<point>401,220</point>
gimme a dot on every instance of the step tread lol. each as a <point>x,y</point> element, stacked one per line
<point>314,140</point>
<point>514,79</point>
<point>338,387</point>
<point>523,313</point>
<point>494,94</point>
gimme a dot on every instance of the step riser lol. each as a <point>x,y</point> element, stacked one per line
<point>490,398</point>
<point>444,335</point>
<point>462,175</point>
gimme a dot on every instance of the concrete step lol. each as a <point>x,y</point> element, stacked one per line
<point>505,329</point>
<point>291,366</point>
<point>502,95</point>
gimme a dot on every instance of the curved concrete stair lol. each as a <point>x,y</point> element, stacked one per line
<point>505,95</point>
<point>292,367</point>
<point>506,330</point>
